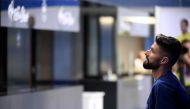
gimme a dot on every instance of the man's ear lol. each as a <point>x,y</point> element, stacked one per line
<point>164,60</point>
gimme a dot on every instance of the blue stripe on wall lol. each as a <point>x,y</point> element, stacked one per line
<point>144,2</point>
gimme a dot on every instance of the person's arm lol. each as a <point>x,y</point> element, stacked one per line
<point>164,97</point>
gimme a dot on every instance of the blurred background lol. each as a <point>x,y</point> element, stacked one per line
<point>82,54</point>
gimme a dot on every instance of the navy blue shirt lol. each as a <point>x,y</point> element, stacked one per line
<point>168,93</point>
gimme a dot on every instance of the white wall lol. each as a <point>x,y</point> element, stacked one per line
<point>168,20</point>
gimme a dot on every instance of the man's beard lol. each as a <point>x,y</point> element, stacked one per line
<point>148,65</point>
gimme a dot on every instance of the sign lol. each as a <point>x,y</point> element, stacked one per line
<point>41,14</point>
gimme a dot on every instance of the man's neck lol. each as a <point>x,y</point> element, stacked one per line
<point>158,73</point>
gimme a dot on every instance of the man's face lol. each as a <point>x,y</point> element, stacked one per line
<point>153,57</point>
<point>183,27</point>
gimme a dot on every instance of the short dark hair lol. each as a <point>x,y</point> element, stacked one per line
<point>171,46</point>
<point>185,21</point>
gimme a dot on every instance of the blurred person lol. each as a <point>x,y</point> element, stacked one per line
<point>186,56</point>
<point>184,64</point>
<point>167,92</point>
<point>184,29</point>
<point>138,64</point>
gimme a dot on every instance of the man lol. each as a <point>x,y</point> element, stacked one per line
<point>167,92</point>
<point>184,29</point>
<point>186,56</point>
<point>184,64</point>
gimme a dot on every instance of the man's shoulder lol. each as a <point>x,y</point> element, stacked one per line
<point>160,84</point>
<point>167,83</point>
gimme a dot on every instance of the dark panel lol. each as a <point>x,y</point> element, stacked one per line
<point>3,61</point>
<point>33,59</point>
<point>44,55</point>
